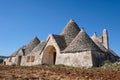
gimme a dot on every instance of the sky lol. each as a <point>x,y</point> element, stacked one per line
<point>22,20</point>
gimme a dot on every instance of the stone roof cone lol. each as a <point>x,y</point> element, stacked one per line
<point>33,43</point>
<point>82,42</point>
<point>39,47</point>
<point>16,52</point>
<point>70,31</point>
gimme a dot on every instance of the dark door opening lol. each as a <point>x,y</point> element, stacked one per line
<point>19,60</point>
<point>4,63</point>
<point>54,57</point>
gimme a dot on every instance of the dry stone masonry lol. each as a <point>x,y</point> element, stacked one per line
<point>73,47</point>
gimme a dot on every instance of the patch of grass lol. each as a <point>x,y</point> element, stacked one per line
<point>60,65</point>
<point>94,67</point>
<point>56,66</point>
<point>118,68</point>
<point>107,64</point>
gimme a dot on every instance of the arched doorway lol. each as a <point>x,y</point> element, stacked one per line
<point>49,55</point>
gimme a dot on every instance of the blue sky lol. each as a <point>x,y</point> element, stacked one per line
<point>21,20</point>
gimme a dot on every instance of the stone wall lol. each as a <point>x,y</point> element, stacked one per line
<point>79,59</point>
<point>37,59</point>
<point>51,42</point>
<point>9,61</point>
<point>98,58</point>
<point>38,56</point>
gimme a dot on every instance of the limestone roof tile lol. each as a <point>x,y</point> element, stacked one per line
<point>70,31</point>
<point>82,42</point>
<point>39,47</point>
<point>33,43</point>
<point>60,41</point>
<point>16,52</point>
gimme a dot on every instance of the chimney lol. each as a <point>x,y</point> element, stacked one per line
<point>105,39</point>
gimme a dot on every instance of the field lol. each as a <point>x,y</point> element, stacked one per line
<point>59,72</point>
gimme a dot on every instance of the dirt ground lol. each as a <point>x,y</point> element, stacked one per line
<point>57,73</point>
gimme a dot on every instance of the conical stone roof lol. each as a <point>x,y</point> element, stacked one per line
<point>82,42</point>
<point>70,31</point>
<point>32,45</point>
<point>60,41</point>
<point>39,47</point>
<point>16,52</point>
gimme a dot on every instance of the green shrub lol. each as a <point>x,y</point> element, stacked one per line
<point>107,62</point>
<point>60,65</point>
<point>1,61</point>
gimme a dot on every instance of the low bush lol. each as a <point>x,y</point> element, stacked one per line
<point>1,61</point>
